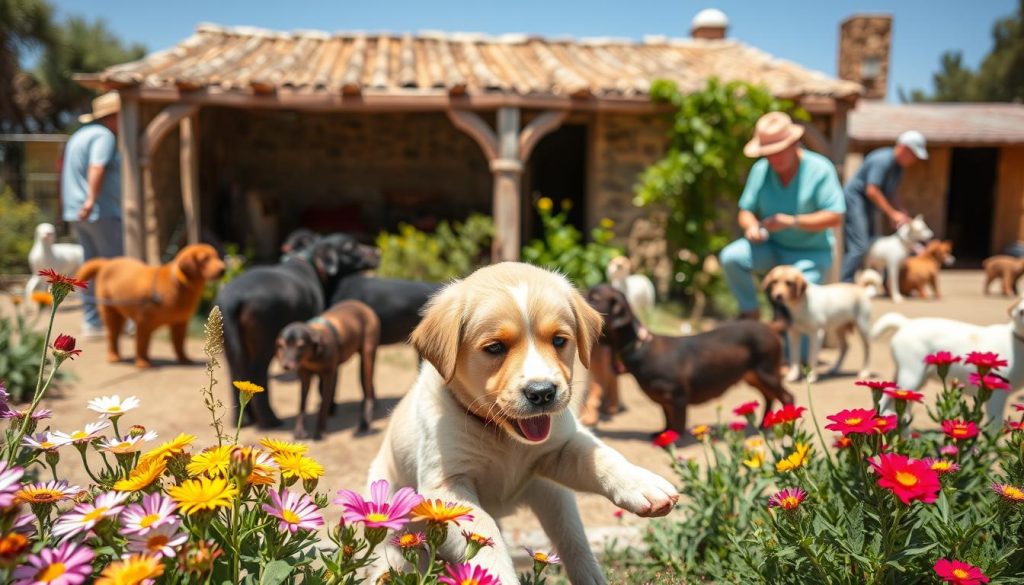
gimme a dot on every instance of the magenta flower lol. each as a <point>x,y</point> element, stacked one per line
<point>877,384</point>
<point>466,573</point>
<point>378,511</point>
<point>788,499</point>
<point>85,516</point>
<point>990,381</point>
<point>9,485</point>
<point>985,361</point>
<point>19,415</point>
<point>160,542</point>
<point>156,510</point>
<point>949,450</point>
<point>941,358</point>
<point>295,512</point>
<point>68,564</point>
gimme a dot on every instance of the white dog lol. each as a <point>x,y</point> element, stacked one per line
<point>488,422</point>
<point>639,289</point>
<point>890,252</point>
<point>816,309</point>
<point>64,258</point>
<point>917,338</point>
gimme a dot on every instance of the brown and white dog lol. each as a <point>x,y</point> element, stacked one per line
<point>319,346</point>
<point>815,309</point>
<point>488,422</point>
<point>1006,269</point>
<point>151,296</point>
<point>923,269</point>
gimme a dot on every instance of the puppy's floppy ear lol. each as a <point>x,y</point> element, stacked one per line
<point>801,285</point>
<point>588,327</point>
<point>769,279</point>
<point>186,262</point>
<point>439,333</point>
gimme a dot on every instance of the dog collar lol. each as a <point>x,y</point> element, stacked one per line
<point>642,336</point>
<point>318,320</point>
<point>180,276</point>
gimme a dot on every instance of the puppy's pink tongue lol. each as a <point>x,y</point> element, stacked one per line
<point>536,428</point>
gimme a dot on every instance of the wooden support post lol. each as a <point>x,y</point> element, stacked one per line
<point>132,203</point>
<point>149,214</point>
<point>190,177</point>
<point>508,172</point>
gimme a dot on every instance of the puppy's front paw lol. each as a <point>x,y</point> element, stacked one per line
<point>646,494</point>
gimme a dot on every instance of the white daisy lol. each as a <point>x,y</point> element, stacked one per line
<point>109,406</point>
<point>45,441</point>
<point>127,444</point>
<point>159,542</point>
<point>82,436</point>
<point>84,516</point>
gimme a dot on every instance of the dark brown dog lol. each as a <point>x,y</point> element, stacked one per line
<point>151,296</point>
<point>1006,269</point>
<point>678,371</point>
<point>319,347</point>
<point>923,269</point>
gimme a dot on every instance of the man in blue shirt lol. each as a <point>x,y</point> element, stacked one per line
<point>790,201</point>
<point>874,187</point>
<point>91,191</point>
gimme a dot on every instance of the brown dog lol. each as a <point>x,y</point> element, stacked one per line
<point>923,269</point>
<point>151,296</point>
<point>1005,268</point>
<point>678,371</point>
<point>319,346</point>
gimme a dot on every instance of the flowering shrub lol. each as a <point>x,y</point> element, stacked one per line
<point>884,503</point>
<point>21,344</point>
<point>561,247</point>
<point>174,513</point>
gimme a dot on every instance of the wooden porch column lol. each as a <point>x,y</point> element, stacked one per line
<point>190,177</point>
<point>168,119</point>
<point>132,206</point>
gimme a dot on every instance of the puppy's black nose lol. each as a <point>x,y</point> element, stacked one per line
<point>540,392</point>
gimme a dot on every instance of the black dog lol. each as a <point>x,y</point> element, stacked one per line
<point>260,302</point>
<point>396,302</point>
<point>678,371</point>
<point>299,240</point>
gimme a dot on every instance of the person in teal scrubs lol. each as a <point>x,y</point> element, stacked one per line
<point>791,200</point>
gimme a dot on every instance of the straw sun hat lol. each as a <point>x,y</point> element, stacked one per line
<point>102,106</point>
<point>774,132</point>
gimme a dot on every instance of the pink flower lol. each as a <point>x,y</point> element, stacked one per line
<point>909,479</point>
<point>853,421</point>
<point>378,511</point>
<point>746,408</point>
<point>990,381</point>
<point>9,484</point>
<point>958,429</point>
<point>788,499</point>
<point>666,438</point>
<point>295,512</point>
<point>1019,407</point>
<point>738,425</point>
<point>68,564</point>
<point>788,413</point>
<point>467,574</point>
<point>64,347</point>
<point>155,511</point>
<point>884,424</point>
<point>85,516</point>
<point>160,542</point>
<point>941,466</point>
<point>618,513</point>
<point>959,572</point>
<point>941,358</point>
<point>985,361</point>
<point>899,394</point>
<point>949,450</point>
<point>877,384</point>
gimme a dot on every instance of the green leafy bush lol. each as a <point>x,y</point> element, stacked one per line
<point>562,248</point>
<point>20,347</point>
<point>885,504</point>
<point>452,251</point>
<point>235,263</point>
<point>18,221</point>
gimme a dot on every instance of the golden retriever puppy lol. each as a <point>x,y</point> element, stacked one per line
<point>151,296</point>
<point>487,422</point>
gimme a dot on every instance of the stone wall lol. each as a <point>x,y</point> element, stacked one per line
<point>924,189</point>
<point>864,37</point>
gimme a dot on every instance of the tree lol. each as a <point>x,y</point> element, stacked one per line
<point>700,178</point>
<point>25,25</point>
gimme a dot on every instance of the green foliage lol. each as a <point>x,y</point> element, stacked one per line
<point>18,221</point>
<point>562,248</point>
<point>20,346</point>
<point>849,530</point>
<point>235,263</point>
<point>700,178</point>
<point>452,251</point>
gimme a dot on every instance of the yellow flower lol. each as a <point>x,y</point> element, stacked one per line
<point>263,466</point>
<point>144,474</point>
<point>277,447</point>
<point>753,443</point>
<point>756,460</point>
<point>134,570</point>
<point>545,204</point>
<point>169,449</point>
<point>247,387</point>
<point>607,223</point>
<point>440,511</point>
<point>213,462</point>
<point>701,431</point>
<point>196,495</point>
<point>299,466</point>
<point>42,298</point>
<point>796,459</point>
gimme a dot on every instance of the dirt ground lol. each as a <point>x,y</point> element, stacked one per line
<point>171,402</point>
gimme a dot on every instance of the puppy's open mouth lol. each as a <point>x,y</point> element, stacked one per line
<point>535,429</point>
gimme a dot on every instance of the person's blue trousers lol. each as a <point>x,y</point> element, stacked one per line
<point>103,238</point>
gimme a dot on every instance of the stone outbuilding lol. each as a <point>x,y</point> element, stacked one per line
<point>247,134</point>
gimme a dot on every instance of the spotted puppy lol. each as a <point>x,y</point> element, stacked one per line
<point>319,347</point>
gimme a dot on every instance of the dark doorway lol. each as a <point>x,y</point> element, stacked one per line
<point>971,203</point>
<point>558,170</point>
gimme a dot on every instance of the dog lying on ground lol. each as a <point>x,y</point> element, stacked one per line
<point>258,303</point>
<point>45,253</point>
<point>916,338</point>
<point>492,427</point>
<point>639,289</point>
<point>151,296</point>
<point>1006,269</point>
<point>396,302</point>
<point>816,309</point>
<point>923,269</point>
<point>319,346</point>
<point>678,371</point>
<point>888,253</point>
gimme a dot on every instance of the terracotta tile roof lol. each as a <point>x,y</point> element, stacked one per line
<point>981,123</point>
<point>253,60</point>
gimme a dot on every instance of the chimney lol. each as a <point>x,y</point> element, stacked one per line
<point>710,23</point>
<point>864,45</point>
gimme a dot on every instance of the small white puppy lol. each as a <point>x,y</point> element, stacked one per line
<point>64,258</point>
<point>488,422</point>
<point>916,338</point>
<point>639,289</point>
<point>816,309</point>
<point>890,252</point>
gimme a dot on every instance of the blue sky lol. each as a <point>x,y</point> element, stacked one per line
<point>804,31</point>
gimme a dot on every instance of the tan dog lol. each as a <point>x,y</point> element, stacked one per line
<point>923,269</point>
<point>815,309</point>
<point>488,422</point>
<point>319,346</point>
<point>151,296</point>
<point>1006,269</point>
